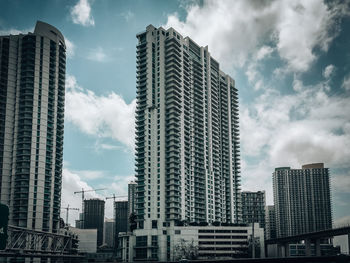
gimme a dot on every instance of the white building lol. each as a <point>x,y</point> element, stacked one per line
<point>187,142</point>
<point>187,133</point>
<point>210,242</point>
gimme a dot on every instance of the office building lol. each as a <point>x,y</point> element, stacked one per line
<point>270,222</point>
<point>253,207</point>
<point>94,214</point>
<point>32,89</point>
<point>121,217</point>
<point>302,199</point>
<point>109,233</point>
<point>131,199</point>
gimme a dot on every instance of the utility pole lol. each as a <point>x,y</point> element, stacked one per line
<point>69,208</point>
<point>114,216</point>
<point>82,192</point>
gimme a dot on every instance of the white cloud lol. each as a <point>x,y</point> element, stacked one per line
<point>13,31</point>
<point>72,182</point>
<point>346,82</point>
<point>128,15</point>
<point>263,52</point>
<point>343,221</point>
<point>295,27</point>
<point>70,48</point>
<point>81,13</point>
<point>292,130</point>
<point>98,55</point>
<point>328,71</point>
<point>102,116</point>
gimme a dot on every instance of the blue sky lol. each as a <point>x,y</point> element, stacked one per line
<point>290,60</point>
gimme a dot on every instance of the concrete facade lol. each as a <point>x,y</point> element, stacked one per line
<point>121,217</point>
<point>253,207</point>
<point>211,242</point>
<point>187,134</point>
<point>32,90</point>
<point>302,199</point>
<point>270,222</point>
<point>109,233</point>
<point>187,140</point>
<point>131,199</point>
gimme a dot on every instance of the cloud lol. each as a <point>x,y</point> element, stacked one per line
<point>81,13</point>
<point>70,48</point>
<point>98,55</point>
<point>71,182</point>
<point>341,182</point>
<point>101,116</point>
<point>263,52</point>
<point>291,130</point>
<point>328,71</point>
<point>346,83</point>
<point>343,221</point>
<point>128,15</point>
<point>233,35</point>
<point>13,31</point>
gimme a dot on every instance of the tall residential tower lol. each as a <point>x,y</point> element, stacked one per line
<point>302,199</point>
<point>187,133</point>
<point>253,207</point>
<point>32,87</point>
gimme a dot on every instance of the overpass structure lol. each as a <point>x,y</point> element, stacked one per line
<point>309,238</point>
<point>27,243</point>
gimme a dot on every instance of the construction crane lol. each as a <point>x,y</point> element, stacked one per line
<point>115,197</point>
<point>69,208</point>
<point>82,192</point>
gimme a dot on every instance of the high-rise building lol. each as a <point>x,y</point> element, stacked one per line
<point>302,199</point>
<point>121,218</point>
<point>187,133</point>
<point>270,222</point>
<point>94,214</point>
<point>109,232</point>
<point>253,207</point>
<point>131,200</point>
<point>131,197</point>
<point>187,142</point>
<point>32,88</point>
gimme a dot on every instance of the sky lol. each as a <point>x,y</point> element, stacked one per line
<point>290,60</point>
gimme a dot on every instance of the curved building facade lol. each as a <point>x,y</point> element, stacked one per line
<point>32,89</point>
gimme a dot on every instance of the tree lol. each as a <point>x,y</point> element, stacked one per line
<point>132,222</point>
<point>185,249</point>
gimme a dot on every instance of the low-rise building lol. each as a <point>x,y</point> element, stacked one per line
<point>200,242</point>
<point>87,239</point>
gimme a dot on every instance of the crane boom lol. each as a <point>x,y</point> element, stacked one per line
<point>83,198</point>
<point>69,208</point>
<point>114,212</point>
